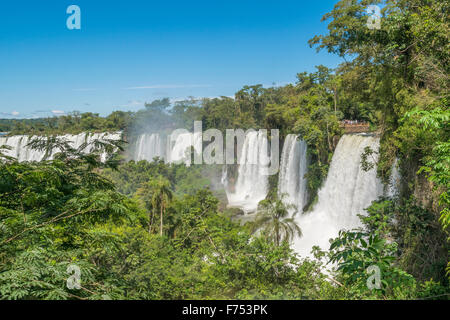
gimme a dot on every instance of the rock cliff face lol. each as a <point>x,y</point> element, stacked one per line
<point>419,187</point>
<point>425,194</point>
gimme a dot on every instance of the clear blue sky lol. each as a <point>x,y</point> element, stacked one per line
<point>130,52</point>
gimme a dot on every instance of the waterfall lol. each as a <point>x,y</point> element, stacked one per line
<point>347,191</point>
<point>224,178</point>
<point>148,146</point>
<point>252,182</point>
<point>181,150</point>
<point>177,148</point>
<point>102,136</point>
<point>22,152</point>
<point>19,148</point>
<point>293,167</point>
<point>394,180</point>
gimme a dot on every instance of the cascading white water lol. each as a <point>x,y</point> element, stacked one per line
<point>180,151</point>
<point>395,180</point>
<point>19,150</point>
<point>22,152</point>
<point>252,182</point>
<point>347,191</point>
<point>176,149</point>
<point>224,178</point>
<point>148,146</point>
<point>293,167</point>
<point>102,137</point>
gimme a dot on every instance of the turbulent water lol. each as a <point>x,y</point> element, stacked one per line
<point>252,183</point>
<point>22,152</point>
<point>293,167</point>
<point>347,191</point>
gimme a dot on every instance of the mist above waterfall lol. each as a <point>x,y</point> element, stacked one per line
<point>162,130</point>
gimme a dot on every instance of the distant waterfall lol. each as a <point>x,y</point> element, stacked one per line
<point>22,152</point>
<point>19,149</point>
<point>347,191</point>
<point>180,146</point>
<point>148,146</point>
<point>78,140</point>
<point>175,149</point>
<point>252,182</point>
<point>293,168</point>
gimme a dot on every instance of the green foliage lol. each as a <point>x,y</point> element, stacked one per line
<point>368,160</point>
<point>68,213</point>
<point>437,163</point>
<point>275,222</point>
<point>102,216</point>
<point>132,175</point>
<point>310,109</point>
<point>53,205</point>
<point>421,242</point>
<point>72,123</point>
<point>355,252</point>
<point>432,290</point>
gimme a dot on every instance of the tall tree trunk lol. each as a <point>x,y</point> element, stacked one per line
<point>335,100</point>
<point>149,223</point>
<point>161,226</point>
<point>151,217</point>
<point>330,148</point>
<point>277,234</point>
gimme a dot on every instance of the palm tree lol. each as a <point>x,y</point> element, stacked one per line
<point>273,219</point>
<point>162,194</point>
<point>145,194</point>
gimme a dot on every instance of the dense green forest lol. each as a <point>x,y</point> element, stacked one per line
<point>148,230</point>
<point>73,123</point>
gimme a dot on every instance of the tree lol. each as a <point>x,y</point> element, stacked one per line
<point>57,205</point>
<point>162,194</point>
<point>3,155</point>
<point>357,254</point>
<point>437,161</point>
<point>273,220</point>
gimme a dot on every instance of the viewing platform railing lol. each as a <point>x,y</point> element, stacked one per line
<point>355,126</point>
